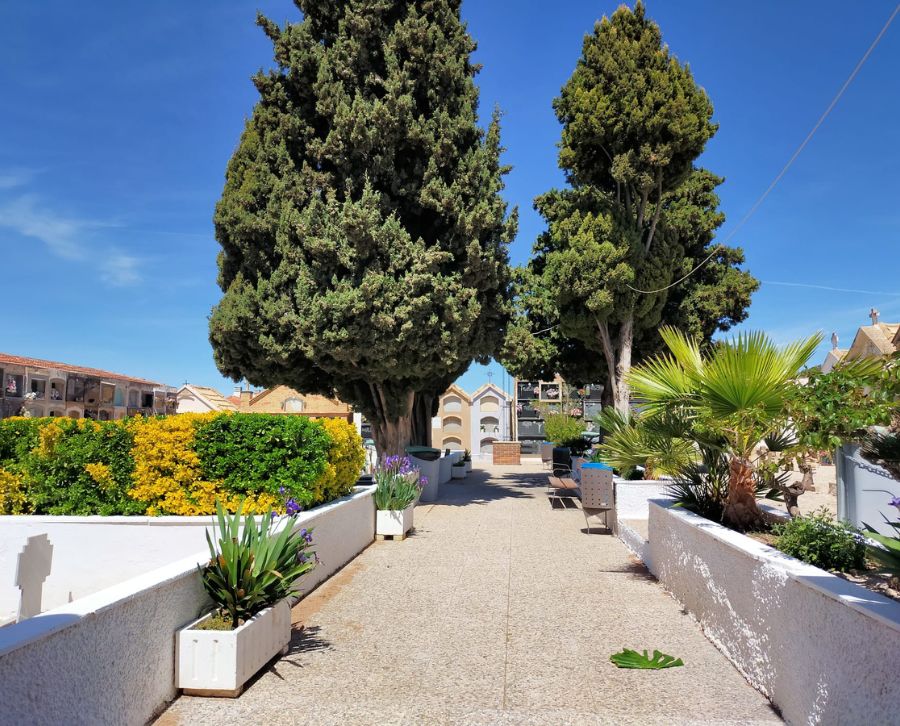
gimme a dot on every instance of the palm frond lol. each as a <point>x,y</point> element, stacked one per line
<point>660,384</point>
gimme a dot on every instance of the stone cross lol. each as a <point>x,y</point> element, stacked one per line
<point>32,568</point>
<point>873,313</point>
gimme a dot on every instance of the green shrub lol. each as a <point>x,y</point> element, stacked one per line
<point>562,429</point>
<point>18,436</point>
<point>254,453</point>
<point>81,467</point>
<point>819,540</point>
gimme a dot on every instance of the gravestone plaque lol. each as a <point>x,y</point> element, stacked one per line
<point>32,568</point>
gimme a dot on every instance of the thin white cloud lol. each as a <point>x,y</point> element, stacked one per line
<point>13,178</point>
<point>120,270</point>
<point>66,237</point>
<point>24,215</point>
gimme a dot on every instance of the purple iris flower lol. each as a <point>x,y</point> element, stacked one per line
<point>895,502</point>
<point>292,508</point>
<point>307,535</point>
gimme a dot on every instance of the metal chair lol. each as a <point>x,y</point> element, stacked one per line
<point>547,455</point>
<point>598,494</point>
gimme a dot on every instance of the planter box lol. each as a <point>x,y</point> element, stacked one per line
<point>633,497</point>
<point>821,648</point>
<point>468,466</point>
<point>220,662</point>
<point>394,522</point>
<point>458,472</point>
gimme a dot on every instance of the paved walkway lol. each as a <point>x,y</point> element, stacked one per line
<point>498,610</point>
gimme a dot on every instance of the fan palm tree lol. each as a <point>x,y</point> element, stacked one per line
<point>737,391</point>
<point>658,445</point>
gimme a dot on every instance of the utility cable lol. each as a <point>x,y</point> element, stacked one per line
<point>793,158</point>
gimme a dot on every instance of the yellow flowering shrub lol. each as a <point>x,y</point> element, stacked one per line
<point>168,477</point>
<point>49,436</point>
<point>100,473</point>
<point>12,493</point>
<point>345,460</point>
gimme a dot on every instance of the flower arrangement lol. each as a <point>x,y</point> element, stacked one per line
<point>253,568</point>
<point>397,484</point>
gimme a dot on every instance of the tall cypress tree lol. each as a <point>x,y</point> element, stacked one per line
<point>639,214</point>
<point>364,238</point>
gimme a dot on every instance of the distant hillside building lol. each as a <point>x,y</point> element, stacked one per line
<point>280,400</point>
<point>472,421</point>
<point>49,388</point>
<point>202,399</point>
<point>875,339</point>
<point>870,341</point>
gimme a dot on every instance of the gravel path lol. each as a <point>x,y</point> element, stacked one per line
<point>498,610</point>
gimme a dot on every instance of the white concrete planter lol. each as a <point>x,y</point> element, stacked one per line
<point>468,466</point>
<point>394,522</point>
<point>824,650</point>
<point>220,662</point>
<point>633,497</point>
<point>458,472</point>
<point>431,470</point>
<point>446,472</point>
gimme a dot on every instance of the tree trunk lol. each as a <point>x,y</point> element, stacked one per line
<point>423,407</point>
<point>622,392</point>
<point>618,361</point>
<point>741,508</point>
<point>392,437</point>
<point>392,432</point>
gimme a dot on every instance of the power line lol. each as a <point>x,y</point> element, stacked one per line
<point>826,287</point>
<point>790,162</point>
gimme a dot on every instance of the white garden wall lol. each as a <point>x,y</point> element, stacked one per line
<point>109,658</point>
<point>633,497</point>
<point>93,553</point>
<point>822,649</point>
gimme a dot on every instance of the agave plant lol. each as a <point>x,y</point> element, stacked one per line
<point>254,566</point>
<point>737,391</point>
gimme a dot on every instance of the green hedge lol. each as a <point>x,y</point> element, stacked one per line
<point>258,454</point>
<point>178,465</point>
<point>82,470</point>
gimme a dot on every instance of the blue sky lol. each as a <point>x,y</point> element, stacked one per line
<point>119,119</point>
